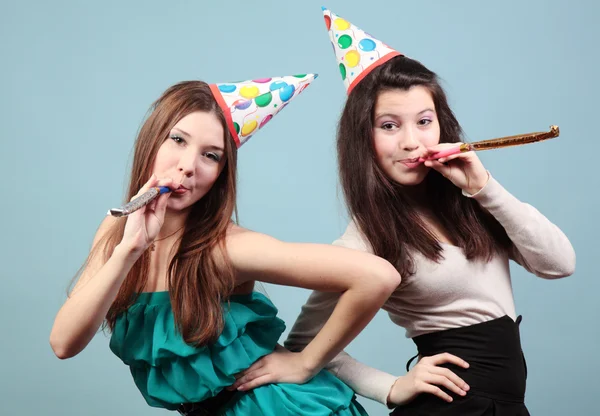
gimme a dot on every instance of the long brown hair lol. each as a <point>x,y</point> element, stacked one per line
<point>385,215</point>
<point>200,274</point>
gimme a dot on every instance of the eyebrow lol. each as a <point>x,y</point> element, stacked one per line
<point>211,147</point>
<point>395,115</point>
<point>185,133</point>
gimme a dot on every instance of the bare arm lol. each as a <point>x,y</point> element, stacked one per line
<point>81,315</point>
<point>366,381</point>
<point>364,281</point>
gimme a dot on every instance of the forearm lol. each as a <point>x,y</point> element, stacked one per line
<point>538,243</point>
<point>355,309</point>
<point>84,311</point>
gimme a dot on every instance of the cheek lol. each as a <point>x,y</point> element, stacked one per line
<point>384,147</point>
<point>432,138</point>
<point>208,175</point>
<point>163,160</point>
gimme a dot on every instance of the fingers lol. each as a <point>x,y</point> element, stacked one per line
<point>447,159</point>
<point>160,205</point>
<point>439,380</point>
<point>169,182</point>
<point>249,377</point>
<point>456,380</point>
<point>257,382</point>
<point>154,181</point>
<point>439,166</point>
<point>256,366</point>
<point>435,390</point>
<point>442,146</point>
<point>446,358</point>
<point>433,376</point>
<point>151,182</point>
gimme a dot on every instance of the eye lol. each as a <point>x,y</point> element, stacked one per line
<point>424,122</point>
<point>177,139</point>
<point>388,126</point>
<point>213,156</point>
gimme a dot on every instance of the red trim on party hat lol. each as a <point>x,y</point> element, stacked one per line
<point>374,65</point>
<point>227,111</point>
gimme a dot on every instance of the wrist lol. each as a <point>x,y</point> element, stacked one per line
<point>391,399</point>
<point>476,185</point>
<point>127,252</point>
<point>309,362</point>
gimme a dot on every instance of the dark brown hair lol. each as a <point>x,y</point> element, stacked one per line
<point>200,274</point>
<point>385,215</point>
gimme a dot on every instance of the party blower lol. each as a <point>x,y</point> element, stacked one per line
<point>139,202</point>
<point>499,143</point>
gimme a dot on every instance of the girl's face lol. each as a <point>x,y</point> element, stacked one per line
<point>193,155</point>
<point>405,124</point>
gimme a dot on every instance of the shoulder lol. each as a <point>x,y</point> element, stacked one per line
<point>353,238</point>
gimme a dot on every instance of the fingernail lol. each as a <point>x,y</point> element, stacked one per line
<point>241,388</point>
<point>466,387</point>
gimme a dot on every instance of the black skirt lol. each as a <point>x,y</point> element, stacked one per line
<point>208,407</point>
<point>496,374</point>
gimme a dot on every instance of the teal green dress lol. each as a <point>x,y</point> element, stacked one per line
<point>168,372</point>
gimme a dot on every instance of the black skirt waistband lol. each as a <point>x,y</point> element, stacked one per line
<point>497,367</point>
<point>208,407</point>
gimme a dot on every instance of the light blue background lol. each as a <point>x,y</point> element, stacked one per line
<point>76,79</point>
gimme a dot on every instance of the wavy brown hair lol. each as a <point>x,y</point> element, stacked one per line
<point>386,216</point>
<point>200,275</point>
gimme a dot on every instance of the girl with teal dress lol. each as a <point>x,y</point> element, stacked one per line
<point>174,281</point>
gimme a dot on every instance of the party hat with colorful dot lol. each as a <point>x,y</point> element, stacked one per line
<point>357,52</point>
<point>249,105</point>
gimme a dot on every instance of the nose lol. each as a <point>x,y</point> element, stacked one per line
<point>409,140</point>
<point>187,163</point>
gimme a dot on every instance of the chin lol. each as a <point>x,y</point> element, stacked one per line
<point>410,178</point>
<point>178,205</point>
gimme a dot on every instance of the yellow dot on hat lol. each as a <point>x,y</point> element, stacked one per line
<point>249,127</point>
<point>352,58</point>
<point>341,24</point>
<point>249,91</point>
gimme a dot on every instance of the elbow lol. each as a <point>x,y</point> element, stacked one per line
<point>61,349</point>
<point>567,265</point>
<point>564,268</point>
<point>567,270</point>
<point>388,277</point>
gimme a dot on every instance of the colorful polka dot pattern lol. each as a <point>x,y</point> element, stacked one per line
<point>357,53</point>
<point>249,105</point>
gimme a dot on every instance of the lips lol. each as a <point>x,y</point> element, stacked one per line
<point>181,190</point>
<point>411,163</point>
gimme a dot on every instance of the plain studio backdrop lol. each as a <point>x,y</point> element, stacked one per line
<point>76,79</point>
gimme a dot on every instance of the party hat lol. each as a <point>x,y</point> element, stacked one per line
<point>249,105</point>
<point>356,52</point>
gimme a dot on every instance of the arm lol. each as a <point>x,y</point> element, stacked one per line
<point>365,281</point>
<point>367,381</point>
<point>84,311</point>
<point>364,380</point>
<point>82,314</point>
<point>538,245</point>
